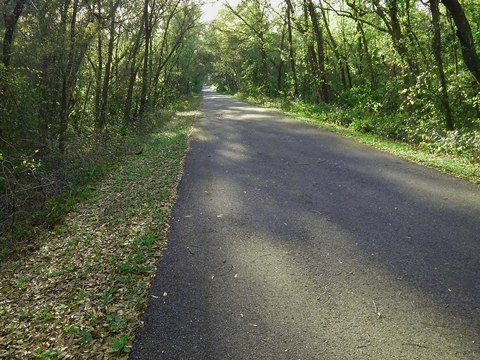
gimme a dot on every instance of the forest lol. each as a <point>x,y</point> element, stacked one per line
<point>78,78</point>
<point>403,69</point>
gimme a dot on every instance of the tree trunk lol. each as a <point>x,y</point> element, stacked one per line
<point>67,77</point>
<point>99,71</point>
<point>342,61</point>
<point>100,126</point>
<point>146,55</point>
<point>291,51</point>
<point>281,65</point>
<point>162,60</point>
<point>322,75</point>
<point>264,67</point>
<point>368,56</point>
<point>464,34</point>
<point>127,118</point>
<point>437,54</point>
<point>10,21</point>
<point>392,23</point>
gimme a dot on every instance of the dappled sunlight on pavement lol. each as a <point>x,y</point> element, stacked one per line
<point>288,242</point>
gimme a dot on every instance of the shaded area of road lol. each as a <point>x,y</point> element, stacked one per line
<point>289,242</point>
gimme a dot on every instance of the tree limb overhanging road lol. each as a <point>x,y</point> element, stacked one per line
<point>289,242</point>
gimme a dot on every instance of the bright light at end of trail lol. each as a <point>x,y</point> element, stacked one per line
<point>210,8</point>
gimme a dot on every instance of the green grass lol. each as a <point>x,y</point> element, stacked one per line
<point>449,164</point>
<point>81,292</point>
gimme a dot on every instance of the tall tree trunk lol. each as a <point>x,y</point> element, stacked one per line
<point>291,51</point>
<point>454,44</point>
<point>281,65</point>
<point>127,118</point>
<point>392,22</point>
<point>341,60</point>
<point>464,34</point>
<point>310,57</point>
<point>264,66</point>
<point>412,36</point>
<point>67,76</point>
<point>99,69</point>
<point>437,54</point>
<point>161,57</point>
<point>100,126</point>
<point>318,35</point>
<point>368,56</point>
<point>10,21</point>
<point>146,55</point>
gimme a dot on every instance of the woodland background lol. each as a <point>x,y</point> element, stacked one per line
<point>81,79</point>
<point>405,69</point>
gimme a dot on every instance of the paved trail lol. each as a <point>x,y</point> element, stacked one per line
<point>289,242</point>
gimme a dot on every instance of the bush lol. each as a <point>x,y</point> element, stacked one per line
<point>459,143</point>
<point>19,120</point>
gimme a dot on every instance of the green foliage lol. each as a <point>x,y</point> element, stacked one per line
<point>92,273</point>
<point>119,345</point>
<point>19,118</point>
<point>50,354</point>
<point>382,83</point>
<point>70,106</point>
<point>84,335</point>
<point>116,323</point>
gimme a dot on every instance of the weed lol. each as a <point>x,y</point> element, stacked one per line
<point>99,260</point>
<point>84,335</point>
<point>119,345</point>
<point>50,354</point>
<point>116,323</point>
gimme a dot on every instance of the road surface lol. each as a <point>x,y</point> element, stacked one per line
<point>289,242</point>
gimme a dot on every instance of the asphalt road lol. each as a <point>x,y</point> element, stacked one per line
<point>289,242</point>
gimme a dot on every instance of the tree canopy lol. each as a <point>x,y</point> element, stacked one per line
<point>418,60</point>
<point>78,74</point>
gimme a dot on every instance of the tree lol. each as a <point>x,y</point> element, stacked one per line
<point>464,33</point>
<point>253,15</point>
<point>291,51</point>
<point>324,90</point>
<point>437,54</point>
<point>10,20</point>
<point>80,69</point>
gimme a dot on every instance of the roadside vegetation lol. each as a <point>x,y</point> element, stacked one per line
<point>81,292</point>
<point>385,72</point>
<point>96,102</point>
<point>80,83</point>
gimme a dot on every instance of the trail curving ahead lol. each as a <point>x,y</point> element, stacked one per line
<point>289,242</point>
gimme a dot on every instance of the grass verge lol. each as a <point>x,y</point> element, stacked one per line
<point>81,293</point>
<point>452,165</point>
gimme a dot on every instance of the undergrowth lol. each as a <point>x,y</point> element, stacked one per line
<point>38,191</point>
<point>80,293</point>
